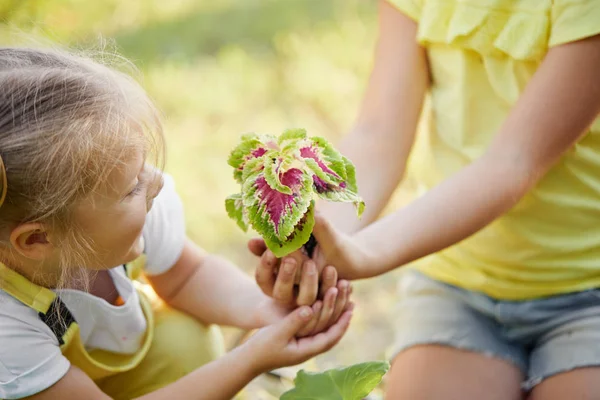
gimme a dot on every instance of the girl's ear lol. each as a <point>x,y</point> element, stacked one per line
<point>31,241</point>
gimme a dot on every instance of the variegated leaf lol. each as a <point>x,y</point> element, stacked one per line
<point>338,193</point>
<point>252,146</point>
<point>278,178</point>
<point>334,176</point>
<point>298,238</point>
<point>329,160</point>
<point>272,213</point>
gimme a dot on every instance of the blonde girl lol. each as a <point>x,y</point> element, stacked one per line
<point>84,220</point>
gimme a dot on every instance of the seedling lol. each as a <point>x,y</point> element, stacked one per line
<point>280,179</point>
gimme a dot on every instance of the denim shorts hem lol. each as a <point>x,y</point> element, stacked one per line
<point>543,337</point>
<point>533,381</point>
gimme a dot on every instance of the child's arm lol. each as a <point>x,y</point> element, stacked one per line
<point>269,348</point>
<point>383,135</point>
<point>557,107</point>
<point>215,291</point>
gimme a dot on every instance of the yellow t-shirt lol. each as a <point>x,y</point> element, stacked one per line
<point>482,53</point>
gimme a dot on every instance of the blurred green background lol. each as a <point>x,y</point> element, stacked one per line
<point>221,68</point>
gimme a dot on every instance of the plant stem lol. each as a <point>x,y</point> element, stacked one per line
<point>309,246</point>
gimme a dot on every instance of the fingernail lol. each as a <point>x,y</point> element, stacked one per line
<point>270,258</point>
<point>335,293</point>
<point>311,269</point>
<point>304,313</point>
<point>289,266</point>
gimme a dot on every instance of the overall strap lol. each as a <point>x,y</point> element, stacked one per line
<point>58,318</point>
<point>50,308</point>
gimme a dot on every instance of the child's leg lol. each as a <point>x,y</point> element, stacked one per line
<point>581,383</point>
<point>449,346</point>
<point>565,359</point>
<point>180,345</point>
<point>440,372</point>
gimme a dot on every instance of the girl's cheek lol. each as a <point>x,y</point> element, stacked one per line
<point>137,216</point>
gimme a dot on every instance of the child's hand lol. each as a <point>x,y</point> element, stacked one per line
<point>349,256</point>
<point>277,280</point>
<point>334,248</point>
<point>277,345</point>
<point>327,311</point>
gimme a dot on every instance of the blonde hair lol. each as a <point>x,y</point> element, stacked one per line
<point>66,122</point>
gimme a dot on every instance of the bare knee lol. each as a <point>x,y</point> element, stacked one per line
<point>580,384</point>
<point>434,372</point>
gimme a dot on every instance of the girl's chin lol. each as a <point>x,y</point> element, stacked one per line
<point>136,250</point>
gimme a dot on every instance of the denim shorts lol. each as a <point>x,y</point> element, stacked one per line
<point>542,337</point>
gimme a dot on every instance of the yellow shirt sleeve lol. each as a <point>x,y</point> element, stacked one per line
<point>411,8</point>
<point>574,20</point>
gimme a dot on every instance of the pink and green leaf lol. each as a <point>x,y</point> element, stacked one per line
<point>334,176</point>
<point>252,146</point>
<point>273,168</point>
<point>252,167</point>
<point>271,212</point>
<point>279,177</point>
<point>344,191</point>
<point>297,239</point>
<point>328,160</point>
<point>291,135</point>
<point>338,193</point>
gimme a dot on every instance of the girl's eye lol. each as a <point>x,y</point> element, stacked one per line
<point>136,190</point>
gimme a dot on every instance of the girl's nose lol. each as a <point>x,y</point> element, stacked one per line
<point>154,190</point>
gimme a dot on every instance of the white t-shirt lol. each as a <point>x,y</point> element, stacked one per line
<point>30,356</point>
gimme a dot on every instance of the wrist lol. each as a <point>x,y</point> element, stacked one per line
<point>252,360</point>
<point>257,319</point>
<point>251,310</point>
<point>367,261</point>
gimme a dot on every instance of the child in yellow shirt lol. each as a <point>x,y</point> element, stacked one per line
<point>505,294</point>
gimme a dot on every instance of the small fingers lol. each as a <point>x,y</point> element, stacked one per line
<point>327,311</point>
<point>293,323</point>
<point>344,288</point>
<point>328,280</point>
<point>265,273</point>
<point>269,260</point>
<point>309,284</point>
<point>283,291</point>
<point>313,345</point>
<point>308,328</point>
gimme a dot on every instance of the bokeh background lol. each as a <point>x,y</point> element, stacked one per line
<point>220,68</point>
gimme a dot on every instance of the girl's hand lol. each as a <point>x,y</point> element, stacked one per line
<point>277,345</point>
<point>335,301</point>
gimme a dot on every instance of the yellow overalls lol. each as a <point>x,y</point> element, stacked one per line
<point>174,345</point>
